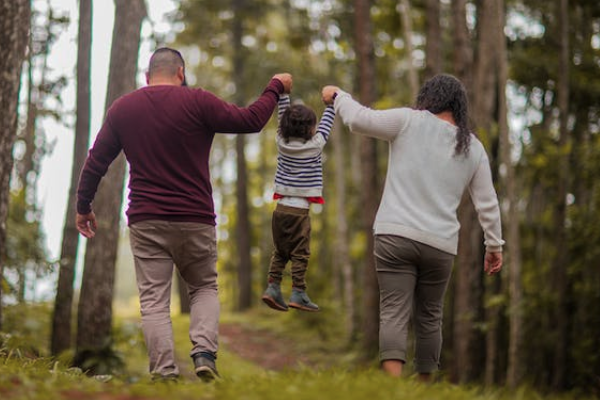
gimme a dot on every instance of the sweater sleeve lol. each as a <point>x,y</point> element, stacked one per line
<point>326,122</point>
<point>380,124</point>
<point>105,149</point>
<point>224,117</point>
<point>485,200</point>
<point>282,105</point>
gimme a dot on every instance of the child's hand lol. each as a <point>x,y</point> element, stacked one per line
<point>328,94</point>
<point>286,80</point>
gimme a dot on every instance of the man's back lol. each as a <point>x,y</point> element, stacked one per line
<point>166,133</point>
<point>167,143</point>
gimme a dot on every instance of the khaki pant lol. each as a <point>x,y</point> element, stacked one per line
<point>291,237</point>
<point>192,247</point>
<point>413,278</point>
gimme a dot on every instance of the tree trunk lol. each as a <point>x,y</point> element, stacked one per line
<point>560,263</point>
<point>370,191</point>
<point>61,320</point>
<point>484,74</point>
<point>464,276</point>
<point>25,165</point>
<point>513,237</point>
<point>463,53</point>
<point>433,41</point>
<point>95,305</point>
<point>463,311</point>
<point>470,251</point>
<point>243,229</point>
<point>243,222</point>
<point>14,34</point>
<point>342,251</point>
<point>485,99</point>
<point>407,31</point>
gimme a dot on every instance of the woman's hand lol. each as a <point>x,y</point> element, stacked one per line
<point>492,263</point>
<point>328,94</point>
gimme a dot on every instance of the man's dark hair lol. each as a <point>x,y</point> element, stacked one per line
<point>298,121</point>
<point>446,93</point>
<point>166,61</point>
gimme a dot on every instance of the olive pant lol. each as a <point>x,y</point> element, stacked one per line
<point>192,247</point>
<point>413,278</point>
<point>291,237</point>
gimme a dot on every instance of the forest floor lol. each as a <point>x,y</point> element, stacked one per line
<point>264,355</point>
<point>263,347</point>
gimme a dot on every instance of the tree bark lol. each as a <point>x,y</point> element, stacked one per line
<point>463,308</point>
<point>470,251</point>
<point>407,31</point>
<point>463,53</point>
<point>484,75</point>
<point>485,100</point>
<point>370,191</point>
<point>342,251</point>
<point>14,34</point>
<point>560,263</point>
<point>243,221</point>
<point>433,41</point>
<point>61,320</point>
<point>513,237</point>
<point>95,305</point>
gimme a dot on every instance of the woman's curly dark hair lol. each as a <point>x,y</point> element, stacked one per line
<point>298,121</point>
<point>446,93</point>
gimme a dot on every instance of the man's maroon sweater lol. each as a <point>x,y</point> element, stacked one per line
<point>166,133</point>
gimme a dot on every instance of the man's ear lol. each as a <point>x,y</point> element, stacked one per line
<point>181,74</point>
<point>147,78</point>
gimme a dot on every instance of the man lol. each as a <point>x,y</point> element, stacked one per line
<point>166,131</point>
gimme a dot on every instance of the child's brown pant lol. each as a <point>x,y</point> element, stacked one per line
<point>291,237</point>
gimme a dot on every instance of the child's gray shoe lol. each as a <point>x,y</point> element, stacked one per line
<point>273,298</point>
<point>300,300</point>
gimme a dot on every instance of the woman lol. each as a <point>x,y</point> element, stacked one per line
<point>433,159</point>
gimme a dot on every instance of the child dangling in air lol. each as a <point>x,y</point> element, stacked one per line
<point>298,183</point>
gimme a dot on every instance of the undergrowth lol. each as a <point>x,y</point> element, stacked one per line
<point>26,371</point>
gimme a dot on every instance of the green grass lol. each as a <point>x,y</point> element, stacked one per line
<point>40,379</point>
<point>25,375</point>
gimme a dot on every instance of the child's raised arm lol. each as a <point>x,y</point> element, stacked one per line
<point>326,122</point>
<point>282,105</point>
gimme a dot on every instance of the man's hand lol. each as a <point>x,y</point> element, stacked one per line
<point>492,263</point>
<point>86,224</point>
<point>286,79</point>
<point>327,94</point>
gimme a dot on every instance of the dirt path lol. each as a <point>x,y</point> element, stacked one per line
<point>261,347</point>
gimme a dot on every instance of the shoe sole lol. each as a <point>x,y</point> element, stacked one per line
<point>206,374</point>
<point>268,300</point>
<point>303,308</point>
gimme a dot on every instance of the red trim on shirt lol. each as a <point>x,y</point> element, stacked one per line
<point>316,200</point>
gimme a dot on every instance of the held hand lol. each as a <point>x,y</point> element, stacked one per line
<point>492,263</point>
<point>327,94</point>
<point>86,224</point>
<point>286,80</point>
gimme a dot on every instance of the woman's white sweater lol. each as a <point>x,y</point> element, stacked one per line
<point>425,179</point>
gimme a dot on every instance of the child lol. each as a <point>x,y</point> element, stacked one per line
<point>298,183</point>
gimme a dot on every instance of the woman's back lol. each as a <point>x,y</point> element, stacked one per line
<point>426,180</point>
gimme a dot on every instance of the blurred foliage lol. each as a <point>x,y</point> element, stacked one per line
<point>26,258</point>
